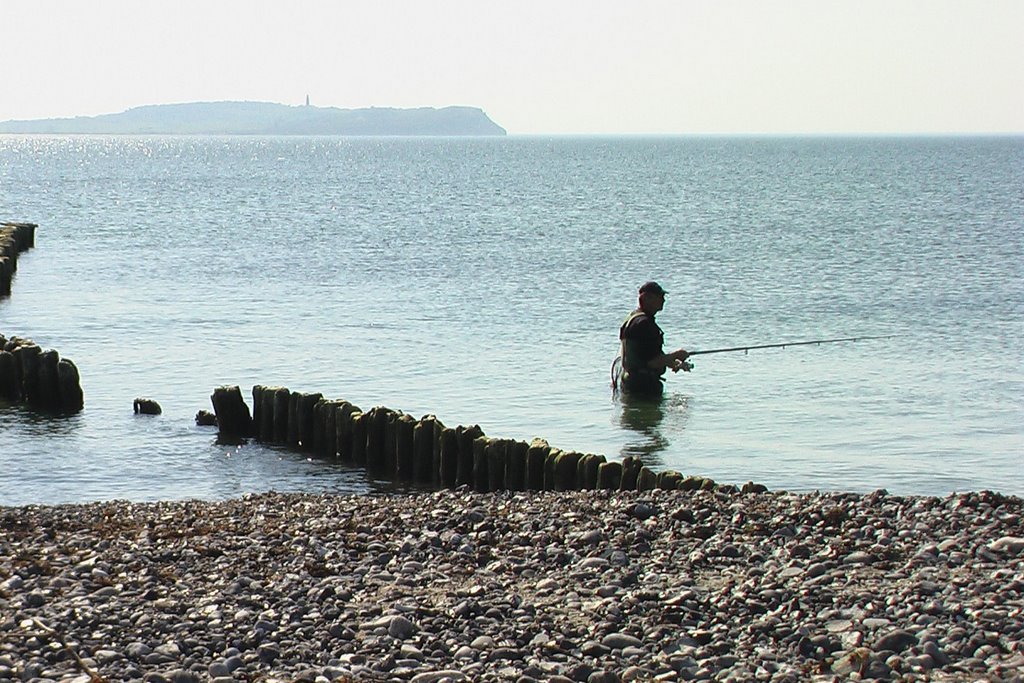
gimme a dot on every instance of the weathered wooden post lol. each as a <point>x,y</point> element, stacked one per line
<point>609,475</point>
<point>282,414</point>
<point>536,457</point>
<point>376,434</point>
<point>263,413</point>
<point>436,467</point>
<point>359,428</point>
<point>549,468</point>
<point>647,480</point>
<point>343,429</point>
<point>464,469</point>
<point>48,395</point>
<point>328,439</point>
<point>146,406</point>
<point>565,471</point>
<point>480,480</point>
<point>497,457</point>
<point>669,480</point>
<point>72,399</point>
<point>6,275</point>
<point>306,429</point>
<point>449,447</point>
<point>423,445</point>
<point>233,418</point>
<point>27,357</point>
<point>259,412</point>
<point>515,467</point>
<point>405,428</point>
<point>630,471</point>
<point>586,470</point>
<point>319,418</point>
<point>10,379</point>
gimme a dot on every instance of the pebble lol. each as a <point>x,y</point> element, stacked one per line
<point>601,586</point>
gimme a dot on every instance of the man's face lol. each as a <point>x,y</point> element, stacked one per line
<point>652,302</point>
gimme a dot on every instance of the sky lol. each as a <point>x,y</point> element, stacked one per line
<point>537,66</point>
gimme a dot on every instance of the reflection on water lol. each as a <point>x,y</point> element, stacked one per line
<point>650,422</point>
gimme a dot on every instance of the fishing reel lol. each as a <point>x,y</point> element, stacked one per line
<point>683,365</point>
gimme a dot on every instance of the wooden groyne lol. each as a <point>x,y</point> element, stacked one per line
<point>394,445</point>
<point>41,379</point>
<point>28,374</point>
<point>14,239</point>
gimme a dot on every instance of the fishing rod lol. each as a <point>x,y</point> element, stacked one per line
<point>785,344</point>
<point>686,365</point>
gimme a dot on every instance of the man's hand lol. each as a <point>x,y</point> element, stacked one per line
<point>679,361</point>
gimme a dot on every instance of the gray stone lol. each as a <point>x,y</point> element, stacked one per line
<point>618,641</point>
<point>895,641</point>
<point>439,676</point>
<point>401,628</point>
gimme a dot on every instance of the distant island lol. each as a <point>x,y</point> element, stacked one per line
<point>267,118</point>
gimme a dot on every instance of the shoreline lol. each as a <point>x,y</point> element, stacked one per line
<point>570,586</point>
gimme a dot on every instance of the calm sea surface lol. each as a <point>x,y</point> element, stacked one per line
<point>484,280</point>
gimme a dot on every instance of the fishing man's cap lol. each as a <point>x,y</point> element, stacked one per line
<point>652,287</point>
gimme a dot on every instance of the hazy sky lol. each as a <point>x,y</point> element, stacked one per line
<point>550,66</point>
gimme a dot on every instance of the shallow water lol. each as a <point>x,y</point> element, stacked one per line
<point>483,280</point>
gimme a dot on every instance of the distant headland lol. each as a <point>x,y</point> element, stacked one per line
<point>267,118</point>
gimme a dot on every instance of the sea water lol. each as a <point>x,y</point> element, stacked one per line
<point>483,280</point>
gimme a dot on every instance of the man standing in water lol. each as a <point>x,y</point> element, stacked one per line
<point>643,357</point>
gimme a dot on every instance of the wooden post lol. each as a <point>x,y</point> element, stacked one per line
<point>480,480</point>
<point>359,427</point>
<point>405,427</point>
<point>630,471</point>
<point>376,431</point>
<point>647,480</point>
<point>423,445</point>
<point>306,425</point>
<point>586,470</point>
<point>47,384</point>
<point>464,468</point>
<point>233,416</point>
<point>329,430</point>
<point>536,456</point>
<point>436,467</point>
<point>343,429</point>
<point>549,468</point>
<point>72,399</point>
<point>609,475</point>
<point>565,471</point>
<point>10,380</point>
<point>6,275</point>
<point>449,447</point>
<point>27,357</point>
<point>282,403</point>
<point>669,480</point>
<point>259,411</point>
<point>497,457</point>
<point>515,467</point>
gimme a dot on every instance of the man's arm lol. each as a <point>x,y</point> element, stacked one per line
<point>672,361</point>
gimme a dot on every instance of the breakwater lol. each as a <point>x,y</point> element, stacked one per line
<point>40,378</point>
<point>14,239</point>
<point>28,374</point>
<point>398,446</point>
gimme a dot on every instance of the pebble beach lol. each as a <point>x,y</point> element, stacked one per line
<point>596,586</point>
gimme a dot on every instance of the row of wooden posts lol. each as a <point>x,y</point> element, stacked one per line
<point>41,379</point>
<point>394,445</point>
<point>14,239</point>
<point>28,374</point>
